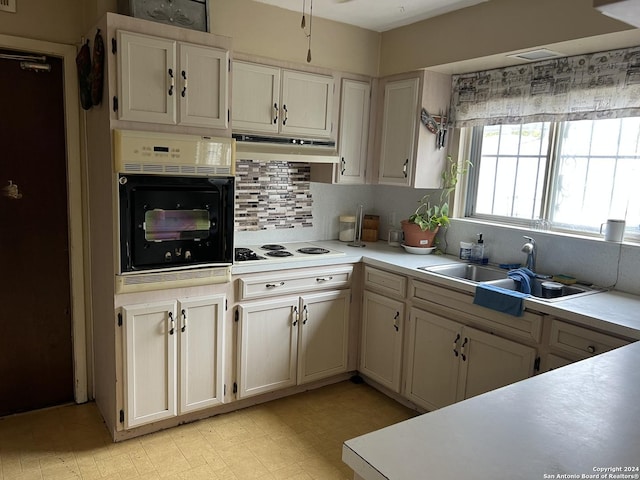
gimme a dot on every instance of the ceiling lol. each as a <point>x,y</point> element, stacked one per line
<point>376,15</point>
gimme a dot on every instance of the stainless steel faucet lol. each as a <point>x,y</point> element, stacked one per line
<point>530,249</point>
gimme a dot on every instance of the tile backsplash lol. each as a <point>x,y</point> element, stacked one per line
<point>272,195</point>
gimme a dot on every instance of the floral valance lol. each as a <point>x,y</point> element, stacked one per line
<point>593,86</point>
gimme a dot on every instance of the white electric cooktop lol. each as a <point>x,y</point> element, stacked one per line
<point>282,252</point>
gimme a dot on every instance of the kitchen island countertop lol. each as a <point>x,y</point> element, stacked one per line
<point>579,421</point>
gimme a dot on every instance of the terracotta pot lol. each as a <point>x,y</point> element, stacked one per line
<point>415,237</point>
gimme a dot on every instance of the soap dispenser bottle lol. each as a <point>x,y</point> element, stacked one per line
<point>477,252</point>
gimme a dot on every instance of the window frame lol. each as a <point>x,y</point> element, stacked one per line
<point>474,136</point>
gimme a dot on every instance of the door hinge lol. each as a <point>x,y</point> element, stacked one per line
<point>536,365</point>
<point>115,103</point>
<point>224,389</point>
<point>237,315</point>
<point>235,387</point>
<point>226,304</point>
<point>119,319</point>
<point>121,416</point>
<point>228,115</point>
<point>114,45</point>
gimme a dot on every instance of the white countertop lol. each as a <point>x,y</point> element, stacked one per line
<point>614,312</point>
<point>573,420</point>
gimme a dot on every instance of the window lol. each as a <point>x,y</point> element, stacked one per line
<point>569,175</point>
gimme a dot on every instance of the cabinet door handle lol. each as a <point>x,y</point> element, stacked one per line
<point>172,324</point>
<point>275,111</point>
<point>404,167</point>
<point>274,285</point>
<point>296,315</point>
<point>184,320</point>
<point>395,321</point>
<point>343,166</point>
<point>306,315</point>
<point>171,81</point>
<point>285,115</point>
<point>591,349</point>
<point>455,345</point>
<point>464,357</point>
<point>184,87</point>
<point>324,279</point>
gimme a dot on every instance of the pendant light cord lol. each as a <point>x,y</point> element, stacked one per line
<point>303,24</point>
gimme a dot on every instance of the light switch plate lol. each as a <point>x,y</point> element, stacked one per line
<point>8,6</point>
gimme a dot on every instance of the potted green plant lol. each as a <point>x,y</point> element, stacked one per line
<point>422,226</point>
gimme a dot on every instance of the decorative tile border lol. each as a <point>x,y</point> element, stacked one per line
<point>272,195</point>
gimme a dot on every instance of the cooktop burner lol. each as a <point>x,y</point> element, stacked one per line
<point>286,252</point>
<point>313,250</point>
<point>279,253</point>
<point>246,254</point>
<point>273,247</point>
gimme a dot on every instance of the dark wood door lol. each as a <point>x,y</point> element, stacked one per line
<point>36,360</point>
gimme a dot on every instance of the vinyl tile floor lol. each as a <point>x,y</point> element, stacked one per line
<point>298,438</point>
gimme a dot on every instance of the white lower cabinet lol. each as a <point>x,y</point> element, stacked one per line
<point>292,340</point>
<point>381,342</point>
<point>448,361</point>
<point>172,358</point>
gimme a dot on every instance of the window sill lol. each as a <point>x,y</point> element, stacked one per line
<point>633,241</point>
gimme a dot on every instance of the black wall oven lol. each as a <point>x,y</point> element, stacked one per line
<point>174,222</point>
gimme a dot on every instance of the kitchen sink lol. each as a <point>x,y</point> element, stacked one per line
<point>466,271</point>
<point>536,289</point>
<point>498,277</point>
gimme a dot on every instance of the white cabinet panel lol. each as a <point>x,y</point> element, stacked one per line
<point>381,342</point>
<point>354,131</point>
<point>173,358</point>
<point>255,97</point>
<point>169,82</point>
<point>270,100</point>
<point>399,132</point>
<point>432,369</point>
<point>268,343</point>
<point>491,362</point>
<point>324,334</point>
<point>307,102</point>
<point>149,362</point>
<point>201,326</point>
<point>147,77</point>
<point>447,361</point>
<point>204,86</point>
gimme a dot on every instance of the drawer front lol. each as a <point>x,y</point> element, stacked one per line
<point>385,282</point>
<point>581,341</point>
<point>278,283</point>
<point>528,326</point>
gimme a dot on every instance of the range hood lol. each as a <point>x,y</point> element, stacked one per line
<point>265,149</point>
<point>627,11</point>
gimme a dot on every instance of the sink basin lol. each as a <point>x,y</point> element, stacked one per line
<point>498,277</point>
<point>536,289</point>
<point>475,273</point>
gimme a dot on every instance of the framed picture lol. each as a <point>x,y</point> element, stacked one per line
<point>179,13</point>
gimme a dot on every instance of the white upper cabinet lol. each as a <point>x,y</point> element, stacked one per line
<point>398,131</point>
<point>354,131</point>
<point>204,89</point>
<point>270,100</point>
<point>307,101</point>
<point>169,82</point>
<point>255,98</point>
<point>409,155</point>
